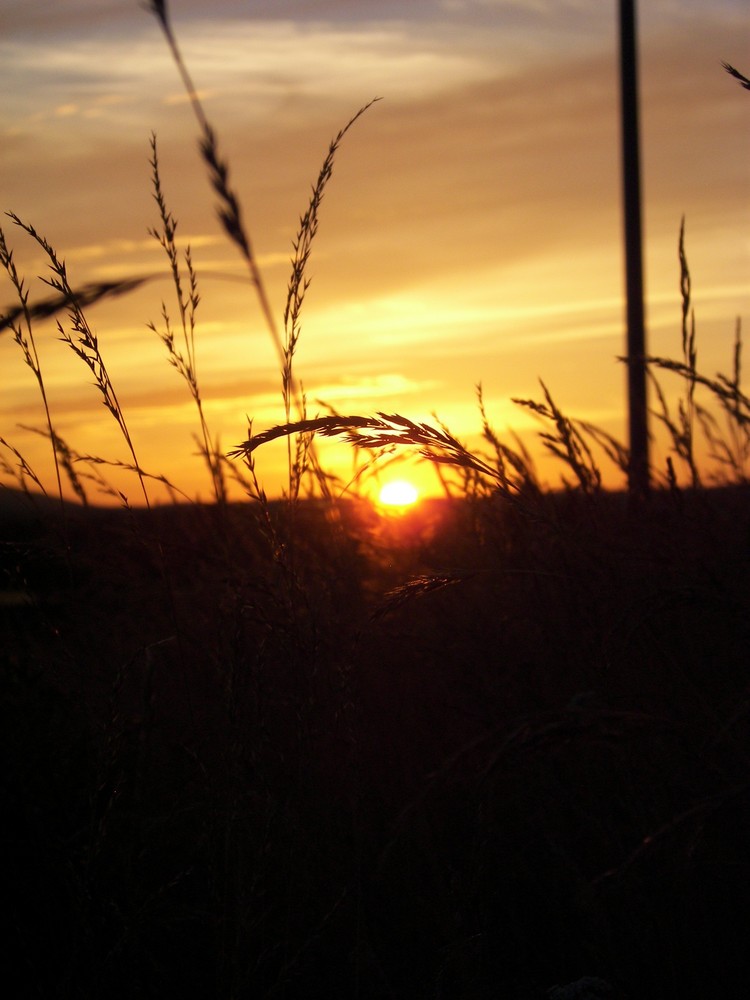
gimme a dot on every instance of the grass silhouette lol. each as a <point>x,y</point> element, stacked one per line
<point>494,747</point>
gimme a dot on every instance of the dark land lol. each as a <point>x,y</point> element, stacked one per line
<point>472,753</point>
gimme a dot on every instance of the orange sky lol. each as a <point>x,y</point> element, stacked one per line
<point>471,231</point>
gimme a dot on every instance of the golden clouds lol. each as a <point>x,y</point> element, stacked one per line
<point>471,230</point>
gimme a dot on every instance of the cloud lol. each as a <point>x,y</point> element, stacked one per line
<point>259,64</point>
<point>472,226</point>
<point>348,389</point>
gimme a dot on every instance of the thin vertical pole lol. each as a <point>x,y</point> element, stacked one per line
<point>638,471</point>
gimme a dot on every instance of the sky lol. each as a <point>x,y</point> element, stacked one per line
<point>471,232</point>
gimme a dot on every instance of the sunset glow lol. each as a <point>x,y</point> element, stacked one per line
<point>398,493</point>
<point>471,231</point>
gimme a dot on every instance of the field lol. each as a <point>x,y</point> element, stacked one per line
<point>494,745</point>
<point>296,777</point>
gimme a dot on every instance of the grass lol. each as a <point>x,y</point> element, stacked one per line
<point>496,747</point>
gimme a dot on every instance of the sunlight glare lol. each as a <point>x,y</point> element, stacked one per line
<point>398,493</point>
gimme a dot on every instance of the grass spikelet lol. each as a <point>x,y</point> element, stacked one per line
<point>685,443</point>
<point>83,341</point>
<point>433,444</point>
<point>183,359</point>
<point>70,458</point>
<point>296,291</point>
<point>23,334</point>
<point>736,452</point>
<point>230,215</point>
<point>567,443</point>
<point>740,77</point>
<point>67,458</point>
<point>613,448</point>
<point>22,471</point>
<point>95,460</point>
<point>415,588</point>
<point>229,210</point>
<point>515,469</point>
<point>87,295</point>
<point>732,449</point>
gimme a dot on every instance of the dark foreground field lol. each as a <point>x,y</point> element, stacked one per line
<point>475,753</point>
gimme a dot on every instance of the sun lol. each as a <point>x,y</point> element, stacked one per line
<point>398,493</point>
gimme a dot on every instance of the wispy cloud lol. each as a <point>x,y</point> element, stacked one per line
<point>354,389</point>
<point>472,229</point>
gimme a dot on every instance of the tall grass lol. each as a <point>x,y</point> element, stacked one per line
<point>183,359</point>
<point>490,748</point>
<point>20,322</point>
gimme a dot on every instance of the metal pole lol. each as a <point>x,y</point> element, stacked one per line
<point>638,471</point>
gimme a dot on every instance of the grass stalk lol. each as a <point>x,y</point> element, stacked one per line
<point>22,472</point>
<point>87,295</point>
<point>299,284</point>
<point>547,704</point>
<point>23,334</point>
<point>229,210</point>
<point>183,359</point>
<point>566,442</point>
<point>515,468</point>
<point>689,353</point>
<point>230,215</point>
<point>84,342</point>
<point>730,449</point>
<point>385,429</point>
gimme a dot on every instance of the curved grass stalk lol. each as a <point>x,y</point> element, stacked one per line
<point>228,210</point>
<point>433,444</point>
<point>87,295</point>
<point>230,215</point>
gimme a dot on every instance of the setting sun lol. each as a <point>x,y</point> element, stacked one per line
<point>398,493</point>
